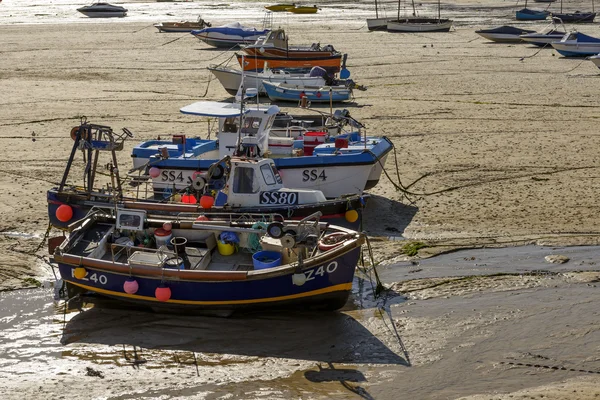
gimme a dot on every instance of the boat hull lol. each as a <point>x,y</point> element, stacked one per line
<point>595,60</point>
<point>303,10</point>
<point>313,94</point>
<point>531,15</point>
<point>377,24</point>
<point>333,210</point>
<point>328,285</point>
<point>419,25</point>
<point>231,79</point>
<point>576,49</point>
<point>257,63</point>
<point>541,39</point>
<point>104,14</point>
<point>576,18</point>
<point>173,27</point>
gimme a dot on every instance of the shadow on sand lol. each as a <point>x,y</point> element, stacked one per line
<point>386,217</point>
<point>322,337</point>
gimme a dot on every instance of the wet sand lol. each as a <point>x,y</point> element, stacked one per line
<point>496,144</point>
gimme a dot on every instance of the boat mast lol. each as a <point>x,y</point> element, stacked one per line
<point>440,6</point>
<point>414,11</point>
<point>376,11</point>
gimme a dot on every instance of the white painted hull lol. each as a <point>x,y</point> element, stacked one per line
<point>377,24</point>
<point>231,79</point>
<point>217,39</point>
<point>395,26</point>
<point>333,181</point>
<point>501,37</point>
<point>574,48</point>
<point>104,14</point>
<point>375,173</point>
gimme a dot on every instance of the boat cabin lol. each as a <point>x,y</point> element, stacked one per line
<point>252,182</point>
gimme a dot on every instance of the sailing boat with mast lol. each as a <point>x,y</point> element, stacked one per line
<point>577,16</point>
<point>526,14</point>
<point>377,24</point>
<point>419,24</point>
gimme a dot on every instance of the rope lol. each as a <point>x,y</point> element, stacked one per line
<point>253,238</point>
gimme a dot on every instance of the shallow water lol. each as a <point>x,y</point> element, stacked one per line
<point>373,349</point>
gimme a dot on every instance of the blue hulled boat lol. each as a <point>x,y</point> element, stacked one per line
<point>350,164</point>
<point>305,264</point>
<point>527,14</point>
<point>577,44</point>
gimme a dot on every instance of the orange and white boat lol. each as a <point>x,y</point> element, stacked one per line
<point>331,63</point>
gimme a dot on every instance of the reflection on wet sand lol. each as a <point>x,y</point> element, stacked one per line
<point>321,337</point>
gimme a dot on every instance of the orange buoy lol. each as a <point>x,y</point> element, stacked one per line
<point>79,273</point>
<point>351,216</point>
<point>162,293</point>
<point>64,213</point>
<point>207,201</point>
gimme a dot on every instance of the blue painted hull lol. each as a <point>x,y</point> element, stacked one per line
<point>531,15</point>
<point>328,285</point>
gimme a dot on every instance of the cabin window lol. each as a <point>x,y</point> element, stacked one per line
<point>230,124</point>
<point>267,173</point>
<point>243,181</point>
<point>276,173</point>
<point>251,125</point>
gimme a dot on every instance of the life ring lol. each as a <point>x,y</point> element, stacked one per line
<point>332,240</point>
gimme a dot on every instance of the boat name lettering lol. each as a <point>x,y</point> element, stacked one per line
<point>330,268</point>
<point>278,198</point>
<point>313,175</point>
<point>96,278</point>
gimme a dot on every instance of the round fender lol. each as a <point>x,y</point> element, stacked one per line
<point>275,230</point>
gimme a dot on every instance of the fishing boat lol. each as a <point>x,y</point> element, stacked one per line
<point>414,24</point>
<point>230,35</point>
<point>215,267</point>
<point>576,17</point>
<point>103,10</point>
<point>544,1</point>
<point>280,7</point>
<point>231,78</point>
<point>545,37</point>
<point>331,63</point>
<point>352,165</point>
<point>182,26</point>
<point>316,94</point>
<point>577,44</point>
<point>276,44</point>
<point>377,24</point>
<point>232,185</point>
<point>504,34</point>
<point>303,9</point>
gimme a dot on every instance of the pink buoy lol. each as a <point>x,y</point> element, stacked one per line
<point>154,172</point>
<point>167,226</point>
<point>131,286</point>
<point>64,213</point>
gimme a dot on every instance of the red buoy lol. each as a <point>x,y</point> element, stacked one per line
<point>207,201</point>
<point>64,213</point>
<point>189,199</point>
<point>162,293</point>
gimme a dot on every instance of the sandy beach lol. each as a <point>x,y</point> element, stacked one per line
<point>495,146</point>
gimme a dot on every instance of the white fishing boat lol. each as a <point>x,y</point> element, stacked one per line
<point>415,24</point>
<point>231,78</point>
<point>377,24</point>
<point>229,35</point>
<point>346,165</point>
<point>577,44</point>
<point>504,34</point>
<point>182,26</point>
<point>103,10</point>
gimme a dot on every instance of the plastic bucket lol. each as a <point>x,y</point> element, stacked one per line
<point>312,140</point>
<point>341,143</point>
<point>162,237</point>
<point>175,263</point>
<point>225,249</point>
<point>266,259</point>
